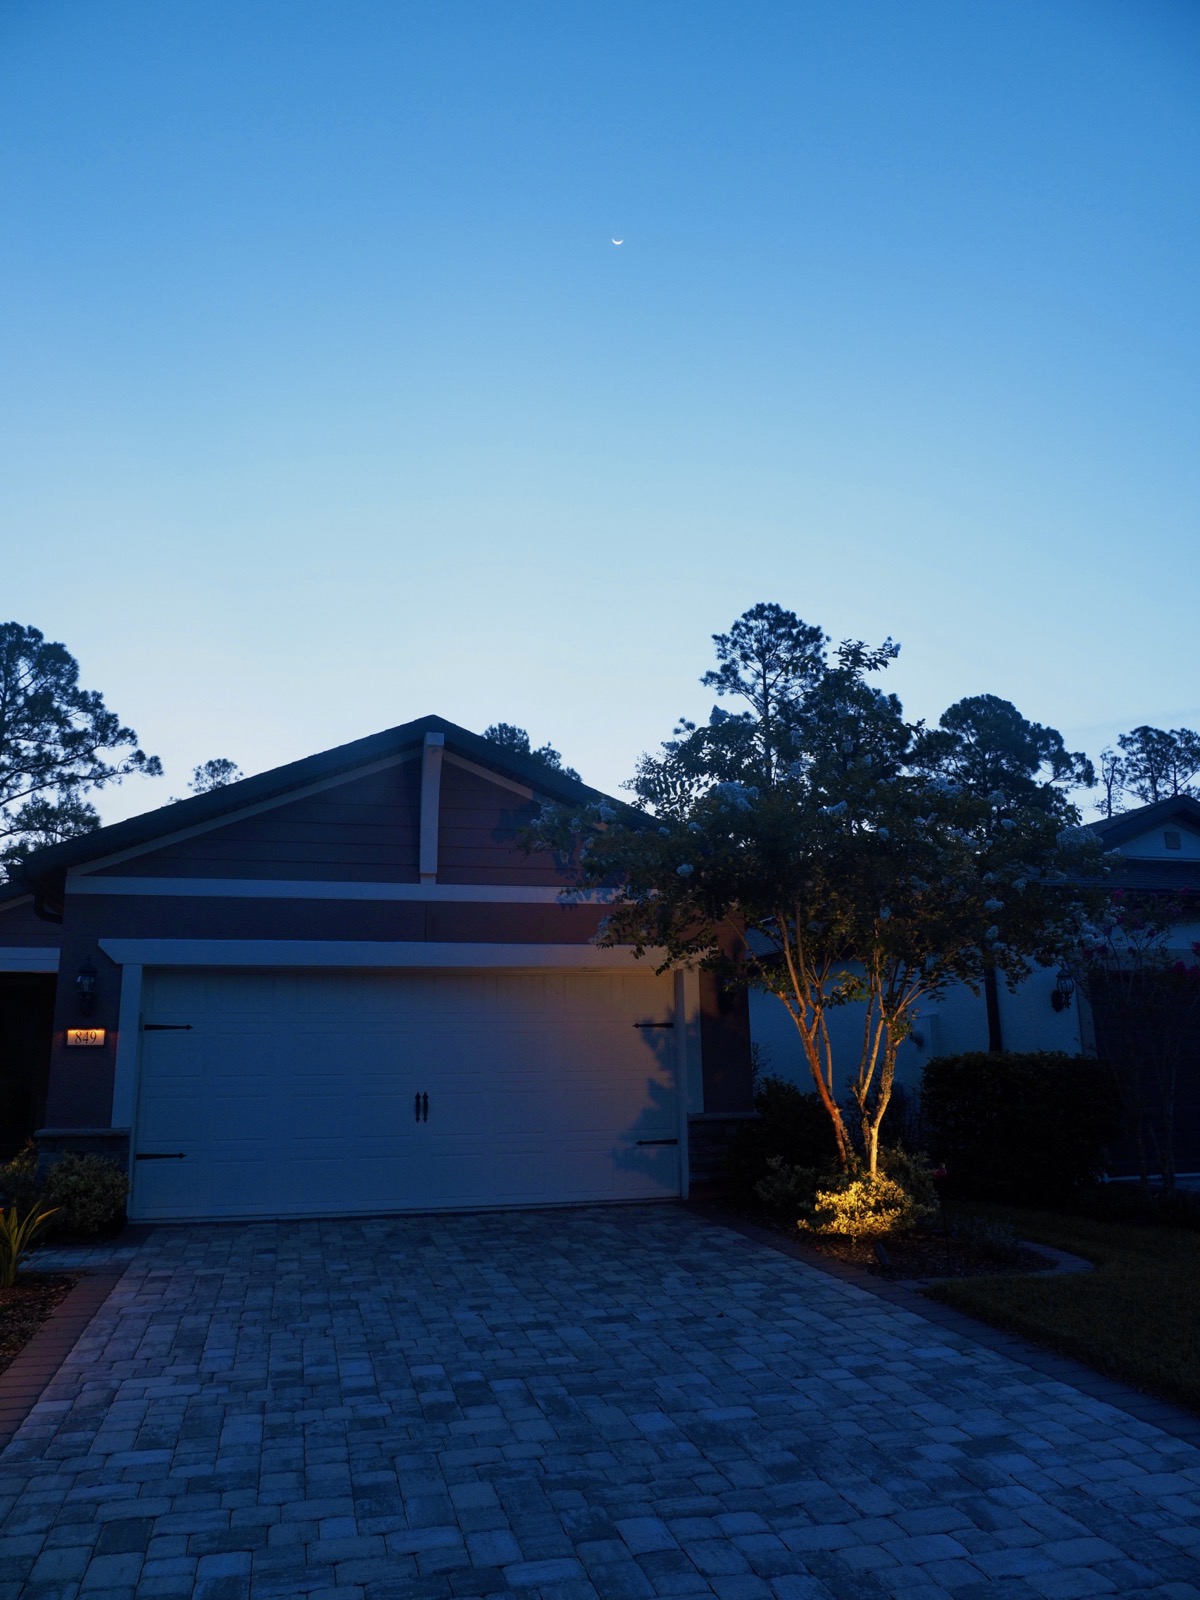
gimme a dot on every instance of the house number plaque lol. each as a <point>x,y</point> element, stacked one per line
<point>84,1038</point>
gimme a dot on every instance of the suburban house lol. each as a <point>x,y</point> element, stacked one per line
<point>343,987</point>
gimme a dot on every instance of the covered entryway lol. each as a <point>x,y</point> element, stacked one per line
<point>26,1035</point>
<point>319,1093</point>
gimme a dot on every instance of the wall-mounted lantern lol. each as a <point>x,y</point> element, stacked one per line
<point>85,989</point>
<point>1064,988</point>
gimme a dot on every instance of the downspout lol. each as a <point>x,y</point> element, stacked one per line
<point>40,907</point>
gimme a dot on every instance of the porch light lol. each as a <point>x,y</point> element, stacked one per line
<point>1064,988</point>
<point>85,988</point>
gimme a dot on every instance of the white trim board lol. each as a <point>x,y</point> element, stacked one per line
<point>342,889</point>
<point>489,776</point>
<point>380,955</point>
<point>431,800</point>
<point>125,1069</point>
<point>223,821</point>
<point>28,958</point>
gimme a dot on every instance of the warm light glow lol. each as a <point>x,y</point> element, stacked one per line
<point>84,1038</point>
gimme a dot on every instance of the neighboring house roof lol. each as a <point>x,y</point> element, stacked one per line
<point>1158,877</point>
<point>44,870</point>
<point>1153,874</point>
<point>1118,830</point>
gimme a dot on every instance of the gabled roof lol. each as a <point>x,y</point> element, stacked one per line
<point>44,870</point>
<point>1115,831</point>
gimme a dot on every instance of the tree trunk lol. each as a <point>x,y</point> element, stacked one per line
<point>991,994</point>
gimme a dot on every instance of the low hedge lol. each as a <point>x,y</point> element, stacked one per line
<point>86,1193</point>
<point>1019,1128</point>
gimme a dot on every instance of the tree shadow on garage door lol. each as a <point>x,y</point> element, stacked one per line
<point>649,1157</point>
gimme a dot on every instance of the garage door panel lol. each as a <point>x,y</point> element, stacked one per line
<point>293,1093</point>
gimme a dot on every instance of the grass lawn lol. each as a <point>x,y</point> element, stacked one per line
<point>1136,1317</point>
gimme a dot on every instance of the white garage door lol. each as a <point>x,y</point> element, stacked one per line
<point>304,1093</point>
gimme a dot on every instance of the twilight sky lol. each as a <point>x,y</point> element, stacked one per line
<point>327,401</point>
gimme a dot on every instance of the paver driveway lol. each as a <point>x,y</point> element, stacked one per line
<point>607,1402</point>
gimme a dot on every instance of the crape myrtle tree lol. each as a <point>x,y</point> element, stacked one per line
<point>58,744</point>
<point>793,843</point>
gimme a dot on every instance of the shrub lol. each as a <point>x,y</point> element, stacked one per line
<point>914,1175</point>
<point>859,1206</point>
<point>787,1188</point>
<point>88,1193</point>
<point>18,1178</point>
<point>16,1236</point>
<point>1027,1129</point>
<point>793,1127</point>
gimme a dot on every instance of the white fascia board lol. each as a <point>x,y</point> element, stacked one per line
<point>28,958</point>
<point>341,889</point>
<point>380,955</point>
<point>292,795</point>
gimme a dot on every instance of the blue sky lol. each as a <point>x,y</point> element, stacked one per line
<point>328,401</point>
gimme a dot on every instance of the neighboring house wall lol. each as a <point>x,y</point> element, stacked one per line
<point>952,1025</point>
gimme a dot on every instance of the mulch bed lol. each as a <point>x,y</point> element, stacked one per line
<point>927,1255</point>
<point>25,1306</point>
<point>919,1254</point>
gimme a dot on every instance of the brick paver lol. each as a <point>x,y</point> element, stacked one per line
<point>570,1404</point>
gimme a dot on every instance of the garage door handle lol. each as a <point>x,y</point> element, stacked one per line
<point>159,1155</point>
<point>421,1107</point>
<point>658,1141</point>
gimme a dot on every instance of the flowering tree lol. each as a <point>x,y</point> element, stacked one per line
<point>794,843</point>
<point>1145,1000</point>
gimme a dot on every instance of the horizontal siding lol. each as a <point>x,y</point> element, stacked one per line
<point>363,832</point>
<point>367,831</point>
<point>478,833</point>
<point>21,927</point>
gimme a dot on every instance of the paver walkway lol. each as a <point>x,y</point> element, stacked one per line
<point>613,1403</point>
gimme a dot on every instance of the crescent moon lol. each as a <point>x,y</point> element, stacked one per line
<point>618,241</point>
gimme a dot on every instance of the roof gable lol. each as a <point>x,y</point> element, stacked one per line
<point>283,787</point>
<point>1140,832</point>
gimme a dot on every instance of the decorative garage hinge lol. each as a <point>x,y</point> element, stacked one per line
<point>654,1024</point>
<point>166,1027</point>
